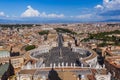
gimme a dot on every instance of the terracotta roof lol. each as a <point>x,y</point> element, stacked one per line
<point>114,60</point>
<point>32,71</point>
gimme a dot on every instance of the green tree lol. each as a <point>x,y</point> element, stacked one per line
<point>30,47</point>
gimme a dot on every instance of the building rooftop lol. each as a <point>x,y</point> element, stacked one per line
<point>65,73</point>
<point>115,61</point>
<point>62,73</point>
<point>3,68</point>
<point>31,71</point>
<point>4,53</point>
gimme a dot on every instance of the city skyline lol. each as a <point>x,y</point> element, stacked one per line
<point>63,10</point>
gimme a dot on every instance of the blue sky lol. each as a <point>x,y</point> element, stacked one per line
<point>81,10</point>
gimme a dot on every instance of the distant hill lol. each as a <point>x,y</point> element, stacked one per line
<point>5,21</point>
<point>35,21</point>
<point>111,20</point>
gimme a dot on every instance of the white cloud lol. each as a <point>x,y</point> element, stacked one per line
<point>105,1</point>
<point>99,7</point>
<point>2,14</point>
<point>84,16</point>
<point>55,15</point>
<point>44,15</point>
<point>30,12</point>
<point>89,17</point>
<point>109,9</point>
<point>105,11</point>
<point>110,5</point>
<point>71,16</point>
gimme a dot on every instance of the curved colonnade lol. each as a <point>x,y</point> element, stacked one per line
<point>90,59</point>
